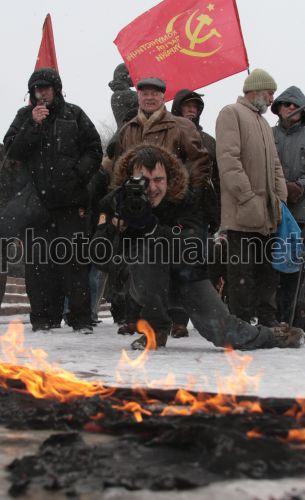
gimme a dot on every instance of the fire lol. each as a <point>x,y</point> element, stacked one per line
<point>135,408</point>
<point>41,379</point>
<point>296,435</point>
<point>239,382</point>
<point>254,433</point>
<point>45,380</point>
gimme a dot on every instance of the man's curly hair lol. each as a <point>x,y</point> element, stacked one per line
<point>149,155</point>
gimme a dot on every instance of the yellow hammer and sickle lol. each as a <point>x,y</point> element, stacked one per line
<point>204,20</point>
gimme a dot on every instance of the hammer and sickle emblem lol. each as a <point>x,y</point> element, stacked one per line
<point>204,20</point>
<point>193,37</point>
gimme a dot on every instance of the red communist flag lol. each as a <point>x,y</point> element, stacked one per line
<point>47,56</point>
<point>187,43</point>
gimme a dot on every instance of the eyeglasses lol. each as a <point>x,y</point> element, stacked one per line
<point>288,104</point>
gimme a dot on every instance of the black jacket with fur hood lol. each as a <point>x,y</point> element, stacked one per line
<point>181,209</point>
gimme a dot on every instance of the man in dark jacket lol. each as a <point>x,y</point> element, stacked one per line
<point>160,237</point>
<point>61,150</point>
<point>189,104</point>
<point>289,136</point>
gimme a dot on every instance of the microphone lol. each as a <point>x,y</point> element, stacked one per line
<point>40,99</point>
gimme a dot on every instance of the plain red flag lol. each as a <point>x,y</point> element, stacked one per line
<point>47,56</point>
<point>187,43</point>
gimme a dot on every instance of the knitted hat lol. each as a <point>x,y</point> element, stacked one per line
<point>259,80</point>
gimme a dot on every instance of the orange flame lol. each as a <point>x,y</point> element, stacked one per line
<point>43,380</point>
<point>254,434</point>
<point>135,408</point>
<point>296,435</point>
<point>46,380</point>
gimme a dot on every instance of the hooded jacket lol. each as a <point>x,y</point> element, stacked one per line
<point>180,208</point>
<point>207,140</point>
<point>290,145</point>
<point>209,143</point>
<point>251,177</point>
<point>63,153</point>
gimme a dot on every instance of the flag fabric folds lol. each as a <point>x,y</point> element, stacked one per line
<point>47,55</point>
<point>187,43</point>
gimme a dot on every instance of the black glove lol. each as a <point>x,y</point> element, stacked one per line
<point>135,214</point>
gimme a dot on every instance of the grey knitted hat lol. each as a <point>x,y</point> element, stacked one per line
<point>259,79</point>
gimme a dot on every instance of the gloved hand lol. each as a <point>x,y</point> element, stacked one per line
<point>295,191</point>
<point>142,219</point>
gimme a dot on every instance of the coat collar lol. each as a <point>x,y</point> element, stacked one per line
<point>242,100</point>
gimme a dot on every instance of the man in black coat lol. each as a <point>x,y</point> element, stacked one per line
<point>190,105</point>
<point>61,150</point>
<point>157,225</point>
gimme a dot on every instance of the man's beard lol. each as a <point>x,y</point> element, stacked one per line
<point>260,103</point>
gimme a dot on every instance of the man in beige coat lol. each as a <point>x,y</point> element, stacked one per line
<point>252,186</point>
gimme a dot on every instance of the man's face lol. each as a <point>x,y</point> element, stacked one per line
<point>45,94</point>
<point>285,108</point>
<point>150,99</point>
<point>263,99</point>
<point>190,109</point>
<point>157,187</point>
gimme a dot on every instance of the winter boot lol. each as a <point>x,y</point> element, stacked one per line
<point>43,327</point>
<point>84,330</point>
<point>178,331</point>
<point>127,329</point>
<point>161,339</point>
<point>287,336</point>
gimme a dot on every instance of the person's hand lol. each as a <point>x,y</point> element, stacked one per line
<point>295,191</point>
<point>119,224</point>
<point>40,113</point>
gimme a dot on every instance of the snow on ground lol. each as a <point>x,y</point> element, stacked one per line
<point>189,362</point>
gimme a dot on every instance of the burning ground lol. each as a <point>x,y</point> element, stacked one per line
<point>160,438</point>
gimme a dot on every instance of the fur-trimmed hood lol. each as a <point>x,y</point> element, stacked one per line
<point>177,175</point>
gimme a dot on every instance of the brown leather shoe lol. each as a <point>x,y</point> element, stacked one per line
<point>287,336</point>
<point>161,339</point>
<point>127,329</point>
<point>178,331</point>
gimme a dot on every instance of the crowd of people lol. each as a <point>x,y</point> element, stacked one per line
<point>177,223</point>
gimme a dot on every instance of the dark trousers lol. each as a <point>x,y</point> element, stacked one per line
<point>285,295</point>
<point>150,288</point>
<point>3,272</point>
<point>252,281</point>
<point>49,281</point>
<point>286,291</point>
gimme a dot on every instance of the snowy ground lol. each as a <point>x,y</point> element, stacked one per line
<point>192,363</point>
<point>189,362</point>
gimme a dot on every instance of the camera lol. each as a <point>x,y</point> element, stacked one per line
<point>134,196</point>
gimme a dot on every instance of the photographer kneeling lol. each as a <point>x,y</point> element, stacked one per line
<point>157,225</point>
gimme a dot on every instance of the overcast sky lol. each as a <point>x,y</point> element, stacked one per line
<point>84,31</point>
